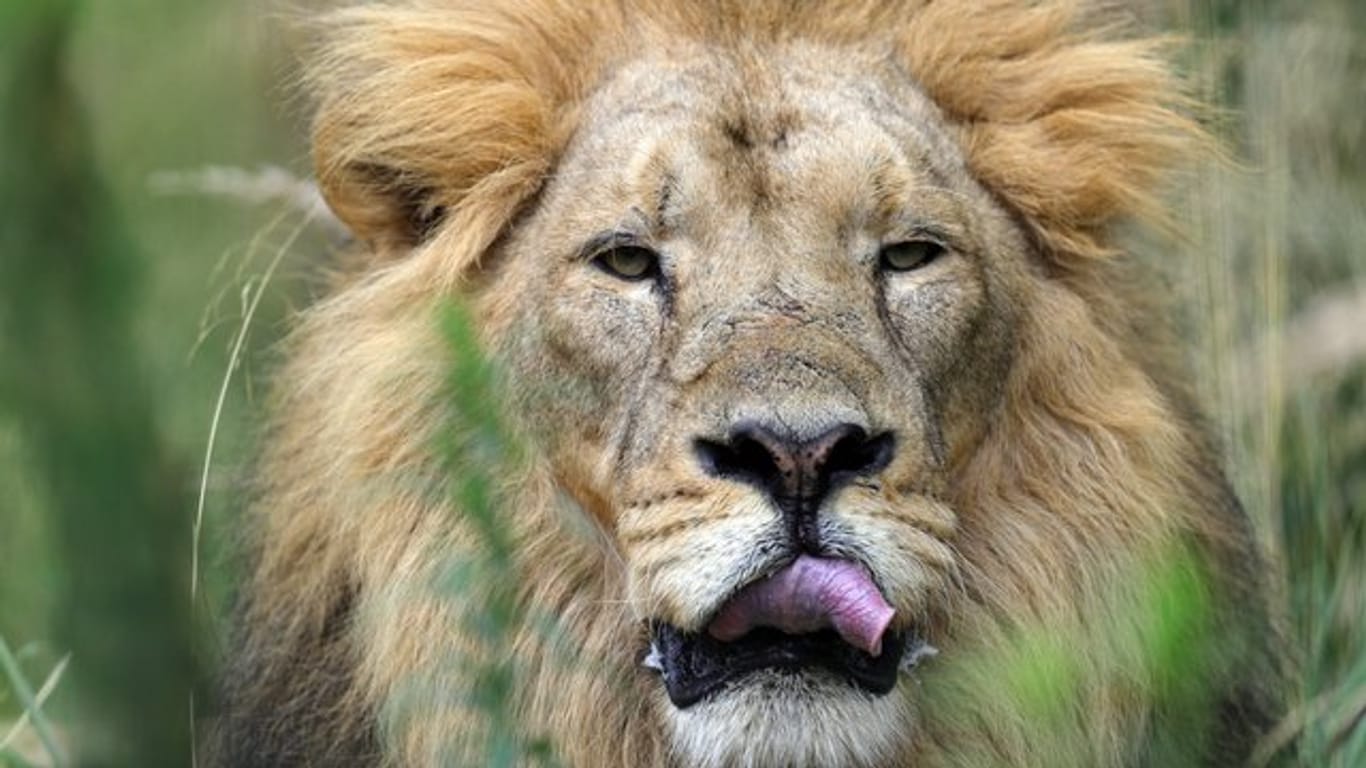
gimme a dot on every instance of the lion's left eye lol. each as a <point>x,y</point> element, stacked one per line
<point>628,262</point>
<point>909,255</point>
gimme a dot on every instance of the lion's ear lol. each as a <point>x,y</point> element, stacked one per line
<point>386,208</point>
<point>432,117</point>
<point>1074,131</point>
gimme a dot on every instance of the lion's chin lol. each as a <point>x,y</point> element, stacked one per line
<point>785,717</point>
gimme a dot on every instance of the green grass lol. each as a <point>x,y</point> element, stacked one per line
<point>479,451</point>
<point>142,87</point>
<point>1277,243</point>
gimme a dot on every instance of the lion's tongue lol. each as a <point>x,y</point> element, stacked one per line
<point>810,594</point>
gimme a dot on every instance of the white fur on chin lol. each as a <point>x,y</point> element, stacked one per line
<point>778,718</point>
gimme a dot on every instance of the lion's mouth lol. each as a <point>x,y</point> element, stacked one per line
<point>695,666</point>
<point>813,613</point>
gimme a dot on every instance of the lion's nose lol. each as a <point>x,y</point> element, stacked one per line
<point>797,474</point>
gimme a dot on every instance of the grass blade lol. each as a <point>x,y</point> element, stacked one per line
<point>31,703</point>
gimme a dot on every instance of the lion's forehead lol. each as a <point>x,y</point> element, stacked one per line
<point>811,139</point>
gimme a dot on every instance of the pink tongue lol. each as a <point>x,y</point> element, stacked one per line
<point>810,594</point>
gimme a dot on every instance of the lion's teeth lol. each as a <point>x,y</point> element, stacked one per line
<point>653,659</point>
<point>916,653</point>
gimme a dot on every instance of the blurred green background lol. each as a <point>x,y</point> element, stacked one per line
<point>153,204</point>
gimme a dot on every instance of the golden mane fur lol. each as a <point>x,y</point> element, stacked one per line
<point>474,101</point>
<point>439,123</point>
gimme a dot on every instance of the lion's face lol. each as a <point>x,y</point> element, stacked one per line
<point>772,303</point>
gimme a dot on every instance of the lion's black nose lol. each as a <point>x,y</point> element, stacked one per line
<point>797,474</point>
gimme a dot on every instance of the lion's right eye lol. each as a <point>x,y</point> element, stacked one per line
<point>909,255</point>
<point>628,262</point>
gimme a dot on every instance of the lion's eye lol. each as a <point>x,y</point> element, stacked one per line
<point>628,262</point>
<point>909,255</point>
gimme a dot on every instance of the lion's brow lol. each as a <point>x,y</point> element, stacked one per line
<point>605,240</point>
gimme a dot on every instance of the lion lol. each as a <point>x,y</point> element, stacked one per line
<point>840,398</point>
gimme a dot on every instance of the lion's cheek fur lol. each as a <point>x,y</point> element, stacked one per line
<point>1076,497</point>
<point>576,656</point>
<point>567,385</point>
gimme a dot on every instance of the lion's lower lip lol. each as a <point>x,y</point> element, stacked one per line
<point>695,666</point>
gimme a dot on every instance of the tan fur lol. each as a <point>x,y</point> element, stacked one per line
<point>470,144</point>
